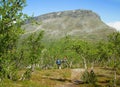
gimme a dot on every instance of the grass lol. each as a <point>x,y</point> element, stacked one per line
<point>55,78</point>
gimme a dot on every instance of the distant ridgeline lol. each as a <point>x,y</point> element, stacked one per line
<point>71,13</point>
<point>81,24</point>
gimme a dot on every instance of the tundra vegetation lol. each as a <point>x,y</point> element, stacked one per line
<point>30,61</point>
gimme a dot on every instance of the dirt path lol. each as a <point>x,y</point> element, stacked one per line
<point>67,85</point>
<point>75,77</point>
<point>38,28</point>
<point>76,73</point>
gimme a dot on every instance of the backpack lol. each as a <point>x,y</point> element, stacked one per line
<point>58,62</point>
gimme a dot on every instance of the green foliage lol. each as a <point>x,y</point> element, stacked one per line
<point>11,18</point>
<point>85,77</point>
<point>108,52</point>
<point>92,77</point>
<point>89,77</point>
<point>76,50</point>
<point>86,50</point>
<point>104,52</point>
<point>114,40</point>
<point>60,49</point>
<point>34,47</point>
<point>14,75</point>
<point>27,74</point>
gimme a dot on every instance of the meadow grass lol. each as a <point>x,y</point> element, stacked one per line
<point>56,77</point>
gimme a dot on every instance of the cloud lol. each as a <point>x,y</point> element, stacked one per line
<point>115,25</point>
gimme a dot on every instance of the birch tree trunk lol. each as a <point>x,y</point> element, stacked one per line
<point>85,64</point>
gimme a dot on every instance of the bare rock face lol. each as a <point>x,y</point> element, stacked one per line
<point>82,24</point>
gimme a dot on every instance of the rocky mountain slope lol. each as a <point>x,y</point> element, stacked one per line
<point>83,24</point>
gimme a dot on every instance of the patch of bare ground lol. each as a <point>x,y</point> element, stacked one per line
<point>67,85</point>
<point>105,78</point>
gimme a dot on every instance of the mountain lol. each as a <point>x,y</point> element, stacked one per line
<point>115,25</point>
<point>82,24</point>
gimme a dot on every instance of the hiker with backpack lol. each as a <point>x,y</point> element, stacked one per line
<point>65,62</point>
<point>58,62</point>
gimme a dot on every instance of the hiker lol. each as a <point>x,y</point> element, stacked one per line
<point>58,62</point>
<point>65,62</point>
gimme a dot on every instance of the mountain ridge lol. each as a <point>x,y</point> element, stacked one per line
<point>71,13</point>
<point>83,24</point>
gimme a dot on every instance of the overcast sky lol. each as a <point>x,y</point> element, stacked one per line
<point>108,10</point>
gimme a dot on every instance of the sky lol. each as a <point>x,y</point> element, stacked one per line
<point>108,10</point>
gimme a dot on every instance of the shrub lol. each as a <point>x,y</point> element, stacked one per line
<point>27,75</point>
<point>89,77</point>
